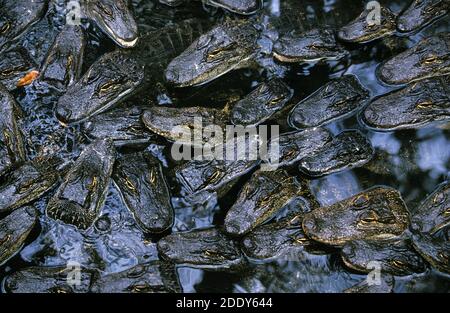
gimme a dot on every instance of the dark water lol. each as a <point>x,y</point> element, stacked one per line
<point>417,161</point>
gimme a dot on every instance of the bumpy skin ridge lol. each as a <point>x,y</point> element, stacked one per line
<point>82,194</point>
<point>378,212</point>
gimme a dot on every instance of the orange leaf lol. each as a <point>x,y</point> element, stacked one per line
<point>28,78</point>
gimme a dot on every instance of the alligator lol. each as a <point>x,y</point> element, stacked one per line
<point>296,145</point>
<point>337,99</point>
<point>217,172</point>
<point>80,197</point>
<point>421,13</point>
<point>208,249</point>
<point>396,256</point>
<point>27,183</point>
<point>57,279</point>
<point>243,7</point>
<point>123,125</point>
<point>277,239</point>
<point>237,43</point>
<point>114,18</point>
<point>180,124</point>
<point>153,277</point>
<point>16,17</point>
<point>12,149</point>
<point>428,58</point>
<point>435,250</point>
<point>418,104</point>
<point>378,213</point>
<point>311,46</point>
<point>63,64</point>
<point>433,214</point>
<point>144,190</point>
<point>362,30</point>
<point>347,150</point>
<point>262,103</point>
<point>14,230</point>
<point>117,74</point>
<point>14,65</point>
<point>261,198</point>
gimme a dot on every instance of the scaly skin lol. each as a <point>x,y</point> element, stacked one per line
<point>335,100</point>
<point>378,212</point>
<point>47,280</point>
<point>421,13</point>
<point>141,182</point>
<point>361,31</point>
<point>243,7</point>
<point>154,277</point>
<point>265,194</point>
<point>27,183</point>
<point>386,286</point>
<point>348,150</point>
<point>434,250</point>
<point>16,17</point>
<point>262,103</point>
<point>396,256</point>
<point>428,58</point>
<point>434,212</point>
<point>14,230</point>
<point>114,18</point>
<point>123,125</point>
<point>82,194</point>
<point>118,74</point>
<point>418,104</point>
<point>294,146</point>
<point>204,248</point>
<point>177,124</point>
<point>12,149</point>
<point>62,66</point>
<point>311,46</point>
<point>14,65</point>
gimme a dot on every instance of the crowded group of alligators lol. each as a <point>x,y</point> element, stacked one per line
<point>120,103</point>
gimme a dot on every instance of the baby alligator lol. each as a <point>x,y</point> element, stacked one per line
<point>378,212</point>
<point>418,104</point>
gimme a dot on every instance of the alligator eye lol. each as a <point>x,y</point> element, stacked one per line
<point>5,27</point>
<point>220,53</point>
<point>275,101</point>
<point>361,201</point>
<point>215,176</point>
<point>8,72</point>
<point>93,184</point>
<point>108,87</point>
<point>5,239</point>
<point>424,104</point>
<point>368,218</point>
<point>105,9</point>
<point>129,185</point>
<point>443,256</point>
<point>398,264</point>
<point>431,59</point>
<point>152,177</point>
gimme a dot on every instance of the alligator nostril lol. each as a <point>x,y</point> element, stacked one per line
<point>171,76</point>
<point>163,246</point>
<point>63,114</point>
<point>348,251</point>
<point>248,244</point>
<point>233,228</point>
<point>309,225</point>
